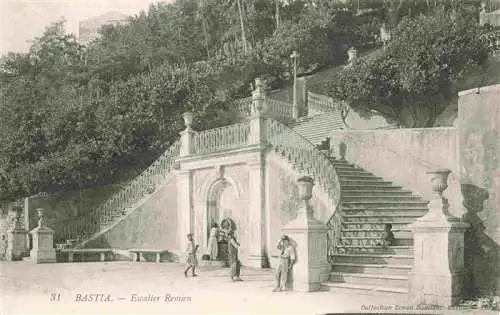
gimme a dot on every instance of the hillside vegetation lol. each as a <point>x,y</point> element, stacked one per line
<point>74,116</point>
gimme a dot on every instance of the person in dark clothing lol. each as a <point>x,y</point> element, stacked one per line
<point>387,238</point>
<point>234,262</point>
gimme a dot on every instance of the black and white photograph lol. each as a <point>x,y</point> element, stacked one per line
<point>249,156</point>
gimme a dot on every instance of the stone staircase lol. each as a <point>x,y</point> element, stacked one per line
<point>368,203</point>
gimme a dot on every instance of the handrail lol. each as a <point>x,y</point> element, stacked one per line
<point>120,203</point>
<point>223,138</point>
<point>278,109</point>
<point>304,156</point>
<point>318,103</point>
<point>273,108</point>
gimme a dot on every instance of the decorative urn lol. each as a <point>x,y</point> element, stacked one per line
<point>188,119</point>
<point>41,213</point>
<point>439,180</point>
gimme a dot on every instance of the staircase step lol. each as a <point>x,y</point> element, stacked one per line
<point>375,192</point>
<point>389,197</point>
<point>396,204</point>
<point>373,226</point>
<point>370,279</point>
<point>409,212</point>
<point>348,188</point>
<point>373,241</point>
<point>352,171</point>
<point>345,181</point>
<point>401,270</point>
<point>374,259</point>
<point>354,176</point>
<point>366,289</point>
<point>369,233</point>
<point>375,250</point>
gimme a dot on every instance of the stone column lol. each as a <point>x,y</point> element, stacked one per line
<point>257,256</point>
<point>438,271</point>
<point>43,242</point>
<point>185,207</point>
<point>309,235</point>
<point>187,136</point>
<point>16,246</point>
<point>257,133</point>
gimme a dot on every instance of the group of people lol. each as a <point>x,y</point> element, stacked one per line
<point>233,246</point>
<point>287,256</point>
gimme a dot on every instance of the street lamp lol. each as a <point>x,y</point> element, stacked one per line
<point>295,57</point>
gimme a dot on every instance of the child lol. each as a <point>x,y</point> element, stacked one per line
<point>387,238</point>
<point>192,261</point>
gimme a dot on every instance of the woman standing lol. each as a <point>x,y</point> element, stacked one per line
<point>213,242</point>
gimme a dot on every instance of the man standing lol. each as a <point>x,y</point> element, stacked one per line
<point>233,256</point>
<point>192,261</point>
<point>287,259</point>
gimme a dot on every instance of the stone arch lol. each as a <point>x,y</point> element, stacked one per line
<point>220,195</point>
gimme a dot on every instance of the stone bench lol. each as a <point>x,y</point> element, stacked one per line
<point>139,253</point>
<point>101,251</point>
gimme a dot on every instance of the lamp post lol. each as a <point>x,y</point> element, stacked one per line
<point>295,57</point>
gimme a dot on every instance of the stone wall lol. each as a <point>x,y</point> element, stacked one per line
<point>403,156</point>
<point>152,225</point>
<point>479,114</point>
<point>282,200</point>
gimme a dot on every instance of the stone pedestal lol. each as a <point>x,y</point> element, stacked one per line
<point>187,135</point>
<point>43,243</point>
<point>437,275</point>
<point>16,239</point>
<point>310,238</point>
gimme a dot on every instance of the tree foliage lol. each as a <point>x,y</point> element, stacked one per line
<point>414,76</point>
<point>73,116</point>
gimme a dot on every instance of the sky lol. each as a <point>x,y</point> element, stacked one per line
<point>23,20</point>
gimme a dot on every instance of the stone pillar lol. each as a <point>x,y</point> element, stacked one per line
<point>185,207</point>
<point>43,242</point>
<point>187,136</point>
<point>437,275</point>
<point>257,135</point>
<point>257,256</point>
<point>310,237</point>
<point>16,246</point>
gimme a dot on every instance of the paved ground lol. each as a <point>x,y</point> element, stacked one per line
<point>29,288</point>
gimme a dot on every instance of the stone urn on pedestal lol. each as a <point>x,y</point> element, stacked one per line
<point>309,236</point>
<point>437,275</point>
<point>43,242</point>
<point>16,243</point>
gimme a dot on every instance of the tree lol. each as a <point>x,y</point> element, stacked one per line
<point>413,78</point>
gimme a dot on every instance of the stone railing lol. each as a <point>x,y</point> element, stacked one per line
<point>273,108</point>
<point>278,109</point>
<point>80,229</point>
<point>244,106</point>
<point>318,103</point>
<point>308,160</point>
<point>223,138</point>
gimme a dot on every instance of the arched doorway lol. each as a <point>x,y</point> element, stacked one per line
<point>221,205</point>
